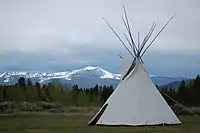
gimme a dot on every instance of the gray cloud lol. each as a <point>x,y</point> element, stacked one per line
<point>53,34</point>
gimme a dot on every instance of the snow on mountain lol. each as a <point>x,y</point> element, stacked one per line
<point>84,77</point>
<point>94,71</point>
<point>84,73</point>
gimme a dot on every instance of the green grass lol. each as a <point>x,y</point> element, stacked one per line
<point>61,123</point>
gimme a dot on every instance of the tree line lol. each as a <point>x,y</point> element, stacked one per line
<point>25,91</point>
<point>188,93</point>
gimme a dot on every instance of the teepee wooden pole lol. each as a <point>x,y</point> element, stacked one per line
<point>118,37</point>
<point>129,42</point>
<point>158,34</point>
<point>129,30</point>
<point>138,41</point>
<point>147,37</point>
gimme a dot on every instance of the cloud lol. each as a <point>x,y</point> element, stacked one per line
<point>174,64</point>
<point>72,33</point>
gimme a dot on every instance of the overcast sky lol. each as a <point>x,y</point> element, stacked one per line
<point>60,35</point>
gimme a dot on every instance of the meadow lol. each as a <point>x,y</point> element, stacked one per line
<point>77,123</point>
<point>28,108</point>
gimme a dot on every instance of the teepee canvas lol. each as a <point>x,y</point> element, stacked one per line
<point>136,100</point>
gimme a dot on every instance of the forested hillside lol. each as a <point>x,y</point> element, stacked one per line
<point>54,92</point>
<point>188,93</point>
<point>24,91</point>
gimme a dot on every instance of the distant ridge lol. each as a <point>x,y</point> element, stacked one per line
<point>84,77</point>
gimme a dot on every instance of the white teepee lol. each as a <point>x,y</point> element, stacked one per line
<point>136,100</point>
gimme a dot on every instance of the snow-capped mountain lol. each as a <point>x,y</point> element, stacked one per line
<point>93,71</point>
<point>85,77</point>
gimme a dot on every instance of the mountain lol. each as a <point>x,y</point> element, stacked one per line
<point>85,77</point>
<point>167,81</point>
<point>175,85</point>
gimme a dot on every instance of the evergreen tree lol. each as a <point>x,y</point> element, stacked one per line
<point>182,92</point>
<point>106,92</point>
<point>29,83</point>
<point>96,90</point>
<point>75,91</point>
<point>39,92</point>
<point>22,82</point>
<point>196,91</point>
<point>22,91</point>
<point>1,93</point>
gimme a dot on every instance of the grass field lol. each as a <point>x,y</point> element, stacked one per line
<point>77,123</point>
